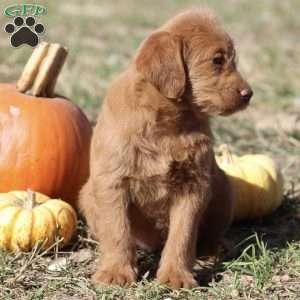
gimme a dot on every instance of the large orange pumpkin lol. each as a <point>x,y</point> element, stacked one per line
<point>44,141</point>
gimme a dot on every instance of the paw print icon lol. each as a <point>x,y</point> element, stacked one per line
<point>24,31</point>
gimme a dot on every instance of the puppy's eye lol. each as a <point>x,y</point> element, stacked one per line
<point>218,59</point>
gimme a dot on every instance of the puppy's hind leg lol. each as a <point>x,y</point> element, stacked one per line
<point>87,205</point>
<point>217,218</point>
<point>106,211</point>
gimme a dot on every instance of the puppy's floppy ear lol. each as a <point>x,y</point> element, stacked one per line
<point>159,60</point>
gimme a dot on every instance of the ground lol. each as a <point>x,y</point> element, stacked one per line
<point>263,261</point>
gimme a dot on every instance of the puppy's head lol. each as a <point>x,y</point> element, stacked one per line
<point>193,59</point>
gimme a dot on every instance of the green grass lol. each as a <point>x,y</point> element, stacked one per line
<point>263,261</point>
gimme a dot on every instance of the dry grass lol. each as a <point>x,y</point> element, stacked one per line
<point>264,261</point>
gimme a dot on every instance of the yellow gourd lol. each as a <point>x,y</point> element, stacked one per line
<point>27,218</point>
<point>256,181</point>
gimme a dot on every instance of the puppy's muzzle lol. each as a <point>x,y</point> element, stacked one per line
<point>246,94</point>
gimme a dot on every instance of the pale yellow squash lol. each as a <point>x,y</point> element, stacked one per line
<point>28,218</point>
<point>256,181</point>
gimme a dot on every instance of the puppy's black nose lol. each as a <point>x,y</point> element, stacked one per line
<point>246,94</point>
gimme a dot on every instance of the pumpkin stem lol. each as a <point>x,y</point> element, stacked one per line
<point>30,202</point>
<point>226,153</point>
<point>42,69</point>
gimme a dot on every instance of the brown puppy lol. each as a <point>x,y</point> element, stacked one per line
<point>154,180</point>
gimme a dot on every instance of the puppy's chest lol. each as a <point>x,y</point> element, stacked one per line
<point>170,166</point>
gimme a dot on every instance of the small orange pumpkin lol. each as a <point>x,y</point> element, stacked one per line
<point>44,140</point>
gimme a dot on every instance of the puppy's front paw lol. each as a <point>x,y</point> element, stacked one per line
<point>117,275</point>
<point>176,278</point>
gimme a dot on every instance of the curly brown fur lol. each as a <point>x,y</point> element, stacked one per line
<point>154,181</point>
